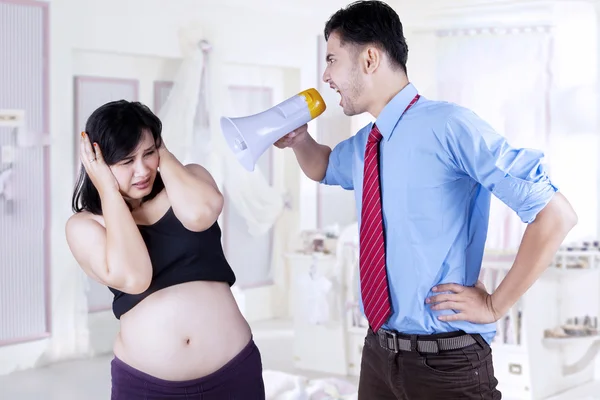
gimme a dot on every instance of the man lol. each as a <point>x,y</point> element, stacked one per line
<point>423,175</point>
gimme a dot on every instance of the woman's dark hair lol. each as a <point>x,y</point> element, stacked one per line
<point>370,22</point>
<point>118,129</point>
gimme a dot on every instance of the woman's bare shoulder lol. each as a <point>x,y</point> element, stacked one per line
<point>83,220</point>
<point>83,232</point>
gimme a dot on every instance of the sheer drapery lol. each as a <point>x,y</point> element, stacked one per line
<point>191,137</point>
<point>504,76</point>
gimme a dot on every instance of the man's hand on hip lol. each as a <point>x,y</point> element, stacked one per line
<point>471,303</point>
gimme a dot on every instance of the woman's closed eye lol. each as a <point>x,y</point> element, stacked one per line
<point>130,160</point>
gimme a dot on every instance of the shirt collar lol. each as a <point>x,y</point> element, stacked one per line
<point>391,113</point>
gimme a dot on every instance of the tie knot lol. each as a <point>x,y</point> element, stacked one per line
<point>375,135</point>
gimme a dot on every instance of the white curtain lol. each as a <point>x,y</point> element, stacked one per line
<point>192,137</point>
<point>505,77</point>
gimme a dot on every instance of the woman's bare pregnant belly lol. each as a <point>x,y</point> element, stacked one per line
<point>183,332</point>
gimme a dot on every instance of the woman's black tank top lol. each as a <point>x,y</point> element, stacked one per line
<point>178,255</point>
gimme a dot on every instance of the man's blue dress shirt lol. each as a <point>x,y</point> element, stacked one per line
<point>439,164</point>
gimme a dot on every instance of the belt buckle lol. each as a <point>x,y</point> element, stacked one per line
<point>391,337</point>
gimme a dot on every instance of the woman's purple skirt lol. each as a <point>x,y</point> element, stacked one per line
<point>240,379</point>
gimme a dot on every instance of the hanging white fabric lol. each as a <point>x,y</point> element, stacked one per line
<point>191,138</point>
<point>315,303</point>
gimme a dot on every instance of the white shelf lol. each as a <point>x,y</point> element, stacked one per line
<point>311,256</point>
<point>577,253</point>
<point>571,271</point>
<point>571,340</point>
<point>550,302</point>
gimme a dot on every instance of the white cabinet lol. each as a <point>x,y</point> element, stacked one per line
<point>528,365</point>
<point>319,337</point>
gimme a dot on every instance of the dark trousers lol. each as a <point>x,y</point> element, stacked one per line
<point>240,379</point>
<point>461,374</point>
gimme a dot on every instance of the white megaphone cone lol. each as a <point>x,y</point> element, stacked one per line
<point>249,137</point>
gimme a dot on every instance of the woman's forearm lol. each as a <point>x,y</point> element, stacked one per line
<point>127,260</point>
<point>195,198</point>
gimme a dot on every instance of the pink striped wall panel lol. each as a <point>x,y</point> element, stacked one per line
<point>162,89</point>
<point>24,175</point>
<point>91,93</point>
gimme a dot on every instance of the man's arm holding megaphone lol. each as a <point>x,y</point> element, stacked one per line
<point>248,137</point>
<point>312,156</point>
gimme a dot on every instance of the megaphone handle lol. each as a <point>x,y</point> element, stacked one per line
<point>292,106</point>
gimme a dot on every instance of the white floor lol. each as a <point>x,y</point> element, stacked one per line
<point>90,379</point>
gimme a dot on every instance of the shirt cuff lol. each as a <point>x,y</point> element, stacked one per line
<point>539,196</point>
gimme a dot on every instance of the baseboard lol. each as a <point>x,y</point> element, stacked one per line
<point>21,356</point>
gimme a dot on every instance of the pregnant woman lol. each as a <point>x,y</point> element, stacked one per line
<point>146,227</point>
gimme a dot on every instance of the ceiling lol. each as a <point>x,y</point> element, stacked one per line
<point>319,10</point>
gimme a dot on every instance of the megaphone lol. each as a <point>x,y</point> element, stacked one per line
<point>249,137</point>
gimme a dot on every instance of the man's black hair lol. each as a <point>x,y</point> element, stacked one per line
<point>370,23</point>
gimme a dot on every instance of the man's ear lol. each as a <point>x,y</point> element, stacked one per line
<point>371,58</point>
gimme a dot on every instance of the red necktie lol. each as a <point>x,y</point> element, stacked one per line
<point>373,276</point>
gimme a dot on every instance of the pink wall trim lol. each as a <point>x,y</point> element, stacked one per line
<point>47,206</point>
<point>100,79</point>
<point>47,190</point>
<point>33,3</point>
<point>77,80</point>
<point>26,339</point>
<point>227,206</point>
